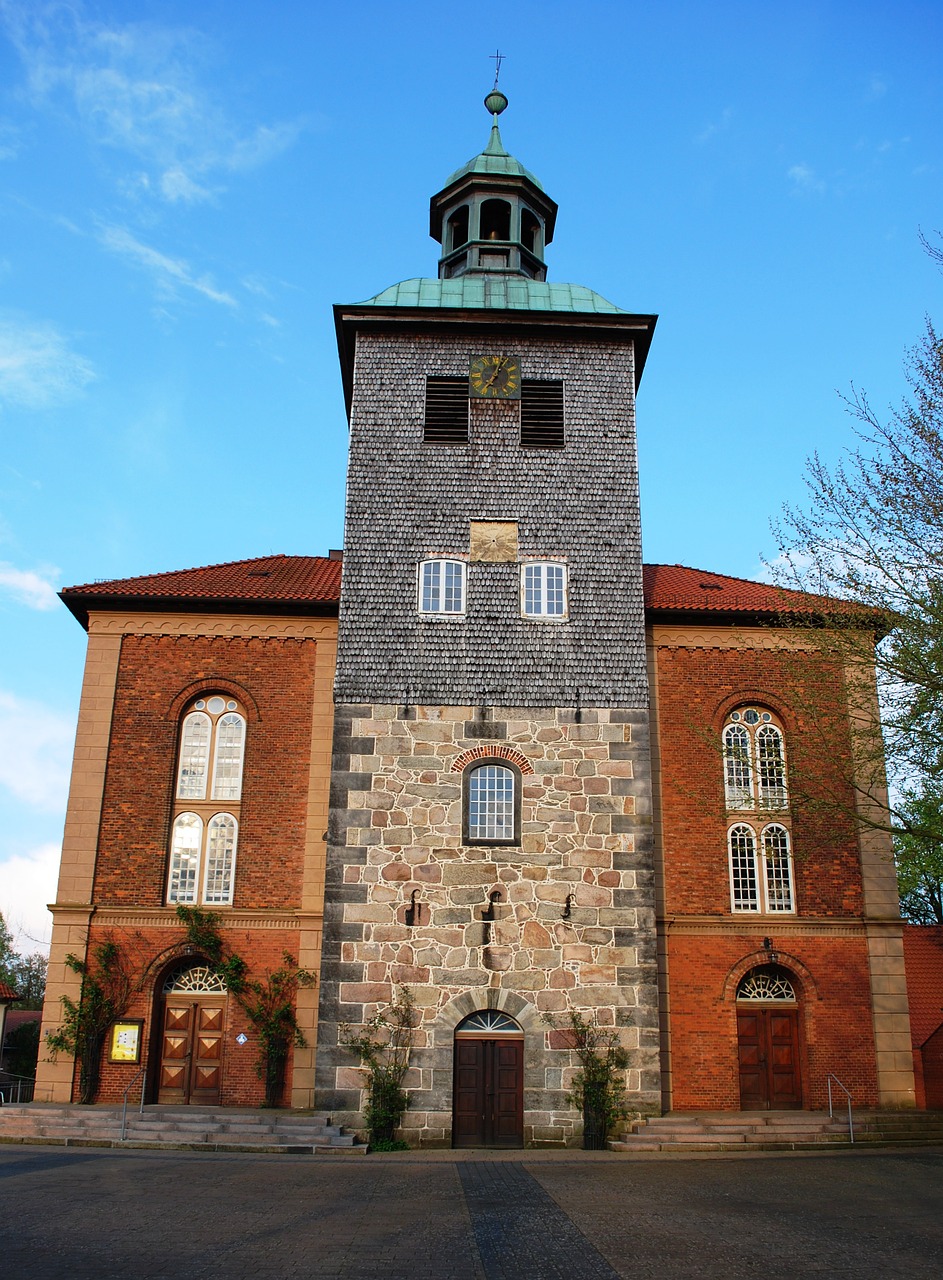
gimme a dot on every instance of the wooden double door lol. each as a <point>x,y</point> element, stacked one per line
<point>191,1050</point>
<point>768,1049</point>
<point>488,1093</point>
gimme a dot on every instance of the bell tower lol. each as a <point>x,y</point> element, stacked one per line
<point>492,215</point>
<point>490,840</point>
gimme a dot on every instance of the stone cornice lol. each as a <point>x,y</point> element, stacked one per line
<point>733,637</point>
<point>777,927</point>
<point>166,917</point>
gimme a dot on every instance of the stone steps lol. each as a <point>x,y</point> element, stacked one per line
<point>779,1131</point>
<point>175,1128</point>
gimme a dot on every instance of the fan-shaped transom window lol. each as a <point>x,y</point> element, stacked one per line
<point>488,1022</point>
<point>754,761</point>
<point>492,804</point>
<point>769,982</point>
<point>194,979</point>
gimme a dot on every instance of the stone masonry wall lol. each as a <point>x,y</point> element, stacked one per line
<point>585,835</point>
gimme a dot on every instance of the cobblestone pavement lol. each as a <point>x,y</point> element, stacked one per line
<point>83,1213</point>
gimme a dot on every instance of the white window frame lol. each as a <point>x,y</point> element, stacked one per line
<point>195,862</point>
<point>202,869</point>
<point>535,582</point>
<point>440,591</point>
<point>748,770</point>
<point>500,800</point>
<point>761,879</point>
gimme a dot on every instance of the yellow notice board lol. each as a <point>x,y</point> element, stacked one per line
<point>126,1041</point>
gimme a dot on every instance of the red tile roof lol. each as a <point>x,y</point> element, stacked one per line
<point>7,992</point>
<point>266,581</point>
<point>923,956</point>
<point>673,588</point>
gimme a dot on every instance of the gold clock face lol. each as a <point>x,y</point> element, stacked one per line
<point>495,377</point>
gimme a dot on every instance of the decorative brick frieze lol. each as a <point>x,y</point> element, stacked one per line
<point>571,927</point>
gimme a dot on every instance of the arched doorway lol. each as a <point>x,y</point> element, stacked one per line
<point>191,1015</point>
<point>768,1039</point>
<point>488,1081</point>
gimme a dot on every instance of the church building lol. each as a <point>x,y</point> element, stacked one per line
<point>485,753</point>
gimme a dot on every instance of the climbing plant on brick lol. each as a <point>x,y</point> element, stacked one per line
<point>104,996</point>
<point>269,1003</point>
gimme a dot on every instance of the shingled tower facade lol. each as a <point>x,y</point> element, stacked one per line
<point>490,839</point>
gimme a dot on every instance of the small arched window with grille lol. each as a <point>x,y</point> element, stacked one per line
<point>202,863</point>
<point>492,803</point>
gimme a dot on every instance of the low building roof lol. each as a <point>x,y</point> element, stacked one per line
<point>923,958</point>
<point>311,584</point>
<point>7,992</point>
<point>265,584</point>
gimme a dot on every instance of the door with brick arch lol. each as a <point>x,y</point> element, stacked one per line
<point>768,1041</point>
<point>488,1082</point>
<point>192,1014</point>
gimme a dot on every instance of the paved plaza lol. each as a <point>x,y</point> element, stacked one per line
<point>82,1213</point>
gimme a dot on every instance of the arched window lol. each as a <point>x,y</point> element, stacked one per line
<point>530,231</point>
<point>203,841</point>
<point>760,872</point>
<point>458,228</point>
<point>754,761</point>
<point>492,804</point>
<point>495,220</point>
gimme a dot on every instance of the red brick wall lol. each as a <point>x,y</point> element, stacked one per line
<point>835,1027</point>
<point>146,951</point>
<point>158,676</point>
<point>696,688</point>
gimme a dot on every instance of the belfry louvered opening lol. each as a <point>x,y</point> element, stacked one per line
<point>541,414</point>
<point>446,420</point>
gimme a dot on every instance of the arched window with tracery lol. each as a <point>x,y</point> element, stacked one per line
<point>759,850</point>
<point>754,760</point>
<point>203,840</point>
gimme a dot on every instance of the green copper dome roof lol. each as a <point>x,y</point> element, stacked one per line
<point>494,159</point>
<point>503,293</point>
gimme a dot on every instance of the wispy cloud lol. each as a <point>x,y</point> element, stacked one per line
<point>35,751</point>
<point>37,366</point>
<point>27,884</point>
<point>34,589</point>
<point>136,88</point>
<point>171,274</point>
<point>805,180</point>
<point>714,127</point>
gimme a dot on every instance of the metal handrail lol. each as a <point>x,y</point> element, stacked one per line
<point>851,1124</point>
<point>124,1108</point>
<point>21,1086</point>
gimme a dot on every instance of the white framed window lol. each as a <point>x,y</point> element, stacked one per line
<point>544,590</point>
<point>492,804</point>
<point>203,840</point>
<point>754,761</point>
<point>442,587</point>
<point>760,871</point>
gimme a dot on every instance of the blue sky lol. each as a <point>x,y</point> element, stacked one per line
<point>185,189</point>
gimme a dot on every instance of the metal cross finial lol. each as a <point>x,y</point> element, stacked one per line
<point>498,59</point>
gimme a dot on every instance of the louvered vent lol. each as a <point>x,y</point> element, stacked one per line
<point>541,414</point>
<point>446,411</point>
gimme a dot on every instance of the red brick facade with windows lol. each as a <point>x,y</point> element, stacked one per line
<point>159,676</point>
<point>712,651</point>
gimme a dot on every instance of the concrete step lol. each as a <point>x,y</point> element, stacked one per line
<point>200,1128</point>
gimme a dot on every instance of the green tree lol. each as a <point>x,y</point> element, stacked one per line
<point>30,980</point>
<point>104,995</point>
<point>918,851</point>
<point>8,956</point>
<point>598,1088</point>
<point>383,1046</point>
<point>872,534</point>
